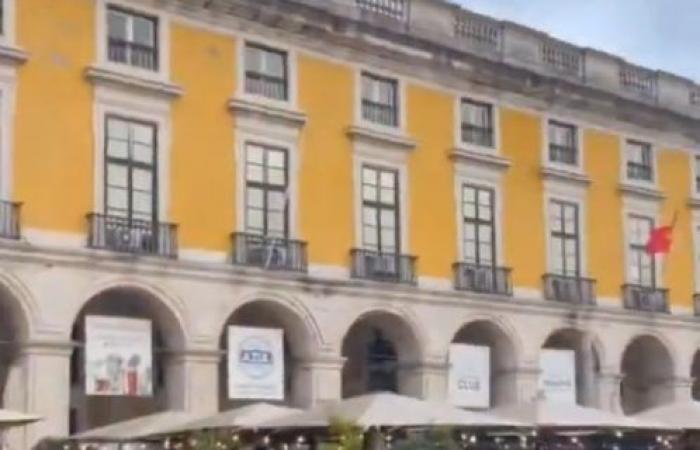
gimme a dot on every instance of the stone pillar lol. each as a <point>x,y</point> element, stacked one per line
<point>588,383</point>
<point>317,380</point>
<point>193,381</point>
<point>47,370</point>
<point>608,397</point>
<point>524,380</point>
<point>680,390</point>
<point>424,379</point>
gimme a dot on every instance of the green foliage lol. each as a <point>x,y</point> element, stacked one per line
<point>348,435</point>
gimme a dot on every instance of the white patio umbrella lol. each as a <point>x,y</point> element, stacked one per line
<point>139,428</point>
<point>684,414</point>
<point>388,410</point>
<point>13,418</point>
<point>540,413</point>
<point>249,416</point>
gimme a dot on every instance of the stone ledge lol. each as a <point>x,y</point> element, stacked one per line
<point>146,85</point>
<point>396,140</point>
<point>566,176</point>
<point>481,158</point>
<point>268,111</point>
<point>645,192</point>
<point>13,55</point>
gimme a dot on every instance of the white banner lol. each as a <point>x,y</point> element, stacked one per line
<point>255,363</point>
<point>118,356</point>
<point>558,375</point>
<point>470,375</point>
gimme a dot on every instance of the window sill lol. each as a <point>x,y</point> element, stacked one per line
<point>572,175</point>
<point>644,191</point>
<point>267,110</point>
<point>144,84</point>
<point>393,139</point>
<point>487,158</point>
<point>12,55</point>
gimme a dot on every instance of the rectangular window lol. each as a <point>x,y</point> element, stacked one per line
<point>477,123</point>
<point>563,143</point>
<point>478,225</point>
<point>640,163</point>
<point>380,210</point>
<point>641,266</point>
<point>266,194</point>
<point>564,238</point>
<point>130,169</point>
<point>266,72</point>
<point>696,185</point>
<point>380,102</point>
<point>132,39</point>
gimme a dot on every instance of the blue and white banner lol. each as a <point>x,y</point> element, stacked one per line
<point>558,375</point>
<point>470,375</point>
<point>255,363</point>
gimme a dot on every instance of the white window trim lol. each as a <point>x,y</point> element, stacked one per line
<point>694,155</point>
<point>579,168</point>
<point>112,102</point>
<point>292,73</point>
<point>583,238</point>
<point>400,129</point>
<point>358,162</point>
<point>163,72</point>
<point>245,136</point>
<point>462,179</point>
<point>654,184</point>
<point>643,208</point>
<point>9,19</point>
<point>695,223</point>
<point>495,150</point>
<point>8,84</point>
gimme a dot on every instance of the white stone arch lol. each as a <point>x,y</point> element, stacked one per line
<point>16,297</point>
<point>648,368</point>
<point>505,352</point>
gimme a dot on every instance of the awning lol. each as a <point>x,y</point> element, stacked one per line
<point>138,428</point>
<point>13,418</point>
<point>684,415</point>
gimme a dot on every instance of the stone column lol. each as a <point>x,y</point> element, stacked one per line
<point>524,380</point>
<point>317,380</point>
<point>679,388</point>
<point>587,373</point>
<point>193,380</point>
<point>608,397</point>
<point>425,379</point>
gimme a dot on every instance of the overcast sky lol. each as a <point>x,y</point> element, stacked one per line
<point>660,34</point>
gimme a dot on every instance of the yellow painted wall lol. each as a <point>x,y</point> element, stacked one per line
<point>523,197</point>
<point>604,221</point>
<point>53,158</point>
<point>674,179</point>
<point>431,212</point>
<point>326,169</point>
<point>202,179</point>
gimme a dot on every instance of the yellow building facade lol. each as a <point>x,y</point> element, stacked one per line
<point>333,169</point>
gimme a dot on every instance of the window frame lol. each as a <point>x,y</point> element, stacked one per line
<point>565,237</point>
<point>396,97</point>
<point>695,175</point>
<point>286,80</point>
<point>377,206</point>
<point>579,127</point>
<point>639,248</point>
<point>131,14</point>
<point>478,102</point>
<point>266,187</point>
<point>130,165</point>
<point>653,166</point>
<point>478,223</point>
<point>576,148</point>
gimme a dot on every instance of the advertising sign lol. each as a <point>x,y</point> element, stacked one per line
<point>118,357</point>
<point>558,375</point>
<point>470,375</point>
<point>255,363</point>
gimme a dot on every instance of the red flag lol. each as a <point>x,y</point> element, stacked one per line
<point>660,240</point>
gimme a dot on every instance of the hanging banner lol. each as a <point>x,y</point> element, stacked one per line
<point>118,356</point>
<point>558,375</point>
<point>255,363</point>
<point>469,376</point>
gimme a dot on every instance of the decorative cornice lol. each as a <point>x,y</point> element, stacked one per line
<point>267,111</point>
<point>159,88</point>
<point>486,160</point>
<point>644,192</point>
<point>566,176</point>
<point>395,140</point>
<point>13,55</point>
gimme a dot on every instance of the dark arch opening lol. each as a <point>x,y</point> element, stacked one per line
<point>647,369</point>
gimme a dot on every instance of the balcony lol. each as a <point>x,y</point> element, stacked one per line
<point>482,279</point>
<point>645,298</point>
<point>388,267</point>
<point>9,220</point>
<point>268,252</point>
<point>139,237</point>
<point>133,54</point>
<point>696,304</point>
<point>638,80</point>
<point>266,85</point>
<point>565,289</point>
<point>379,113</point>
<point>562,58</point>
<point>395,9</point>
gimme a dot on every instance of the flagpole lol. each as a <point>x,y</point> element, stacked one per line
<point>273,241</point>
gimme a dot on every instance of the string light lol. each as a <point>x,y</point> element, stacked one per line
<point>618,434</point>
<point>266,440</point>
<point>300,439</point>
<point>234,438</point>
<point>472,439</point>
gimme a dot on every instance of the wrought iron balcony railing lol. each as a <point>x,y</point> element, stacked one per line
<point>379,113</point>
<point>567,289</point>
<point>269,252</point>
<point>396,9</point>
<point>696,304</point>
<point>9,220</point>
<point>266,85</point>
<point>482,136</point>
<point>391,267</point>
<point>122,234</point>
<point>645,298</point>
<point>563,154</point>
<point>484,279</point>
<point>133,54</point>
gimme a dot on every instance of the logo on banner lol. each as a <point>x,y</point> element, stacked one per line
<point>469,375</point>
<point>558,375</point>
<point>255,363</point>
<point>256,357</point>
